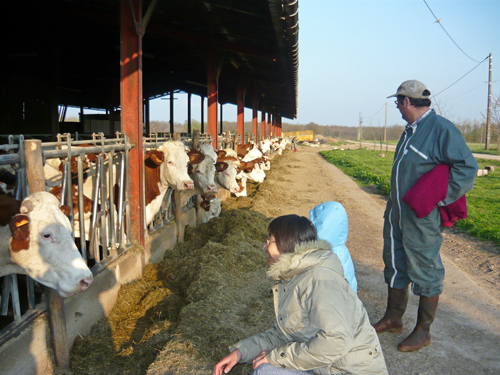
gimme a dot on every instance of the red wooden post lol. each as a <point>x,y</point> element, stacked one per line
<point>263,120</point>
<point>269,119</point>
<point>212,98</point>
<point>254,116</point>
<point>131,110</point>
<point>240,93</point>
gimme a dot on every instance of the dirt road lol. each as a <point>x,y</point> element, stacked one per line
<point>466,332</point>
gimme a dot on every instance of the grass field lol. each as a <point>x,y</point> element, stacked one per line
<point>483,202</point>
<point>478,148</point>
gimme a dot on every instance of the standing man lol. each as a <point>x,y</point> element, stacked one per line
<point>411,244</point>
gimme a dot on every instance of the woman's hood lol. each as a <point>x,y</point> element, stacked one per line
<point>330,220</point>
<point>307,255</point>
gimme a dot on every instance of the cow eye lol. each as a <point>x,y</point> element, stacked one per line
<point>170,162</point>
<point>47,236</point>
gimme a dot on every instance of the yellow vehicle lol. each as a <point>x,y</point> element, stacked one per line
<point>304,135</point>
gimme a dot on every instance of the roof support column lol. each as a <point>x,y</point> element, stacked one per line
<point>172,112</point>
<point>240,93</point>
<point>131,109</point>
<point>202,130</point>
<point>221,120</point>
<point>189,113</point>
<point>269,119</point>
<point>212,97</point>
<point>254,116</point>
<point>263,121</point>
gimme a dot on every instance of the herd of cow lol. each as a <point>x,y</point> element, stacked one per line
<point>36,235</point>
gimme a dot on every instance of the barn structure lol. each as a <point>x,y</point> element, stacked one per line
<point>119,55</point>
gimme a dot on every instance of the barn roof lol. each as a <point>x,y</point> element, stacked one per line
<point>76,43</point>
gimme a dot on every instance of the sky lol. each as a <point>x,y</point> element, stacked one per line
<point>353,54</point>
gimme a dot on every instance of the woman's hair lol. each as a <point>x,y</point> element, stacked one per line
<point>290,230</point>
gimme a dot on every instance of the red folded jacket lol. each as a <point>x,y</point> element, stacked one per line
<point>453,212</point>
<point>431,188</point>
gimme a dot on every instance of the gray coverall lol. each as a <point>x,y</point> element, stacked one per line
<point>411,245</point>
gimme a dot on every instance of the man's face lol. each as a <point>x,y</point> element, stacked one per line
<point>402,104</point>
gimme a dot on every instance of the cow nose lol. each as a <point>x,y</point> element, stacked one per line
<point>212,188</point>
<point>85,283</point>
<point>188,185</point>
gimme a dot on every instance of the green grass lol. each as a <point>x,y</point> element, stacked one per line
<point>478,148</point>
<point>483,201</point>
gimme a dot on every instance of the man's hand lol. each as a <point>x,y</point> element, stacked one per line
<point>260,359</point>
<point>227,363</point>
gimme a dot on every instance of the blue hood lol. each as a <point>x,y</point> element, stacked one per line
<point>330,220</point>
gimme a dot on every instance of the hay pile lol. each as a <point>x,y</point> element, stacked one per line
<point>208,293</point>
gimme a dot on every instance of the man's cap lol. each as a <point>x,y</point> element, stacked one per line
<point>412,89</point>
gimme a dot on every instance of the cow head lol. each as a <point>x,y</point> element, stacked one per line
<point>174,169</point>
<point>226,176</point>
<point>212,209</point>
<point>203,175</point>
<point>42,246</point>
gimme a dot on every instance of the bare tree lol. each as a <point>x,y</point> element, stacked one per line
<point>443,109</point>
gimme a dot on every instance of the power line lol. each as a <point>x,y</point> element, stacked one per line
<point>375,113</point>
<point>439,22</point>
<point>460,77</point>
<point>482,84</point>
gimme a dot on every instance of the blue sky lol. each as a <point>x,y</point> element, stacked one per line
<point>353,54</point>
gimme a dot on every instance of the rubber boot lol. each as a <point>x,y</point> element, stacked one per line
<point>421,335</point>
<point>396,306</point>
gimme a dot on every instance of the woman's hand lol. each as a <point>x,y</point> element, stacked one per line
<point>227,363</point>
<point>260,359</point>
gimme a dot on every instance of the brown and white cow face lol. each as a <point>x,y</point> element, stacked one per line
<point>225,176</point>
<point>174,169</point>
<point>39,244</point>
<point>203,175</point>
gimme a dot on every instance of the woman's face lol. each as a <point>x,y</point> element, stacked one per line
<point>271,250</point>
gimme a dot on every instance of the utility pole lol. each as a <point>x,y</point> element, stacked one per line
<point>385,126</point>
<point>488,118</point>
<point>359,131</point>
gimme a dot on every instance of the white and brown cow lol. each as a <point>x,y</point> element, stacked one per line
<point>166,167</point>
<point>36,240</point>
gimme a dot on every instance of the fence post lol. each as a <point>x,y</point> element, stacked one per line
<point>55,303</point>
<point>199,199</point>
<point>178,208</point>
<point>236,134</point>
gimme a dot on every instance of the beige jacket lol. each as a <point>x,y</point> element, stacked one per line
<point>321,325</point>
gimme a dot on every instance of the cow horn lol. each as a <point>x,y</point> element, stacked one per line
<point>26,207</point>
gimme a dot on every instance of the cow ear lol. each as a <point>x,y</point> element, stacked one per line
<point>221,166</point>
<point>66,210</point>
<point>220,153</point>
<point>20,229</point>
<point>154,157</point>
<point>190,169</point>
<point>243,164</point>
<point>248,170</point>
<point>195,156</point>
<point>205,204</point>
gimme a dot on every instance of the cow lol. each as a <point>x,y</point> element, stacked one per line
<point>211,209</point>
<point>36,240</point>
<point>242,183</point>
<point>225,177</point>
<point>202,171</point>
<point>166,167</point>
